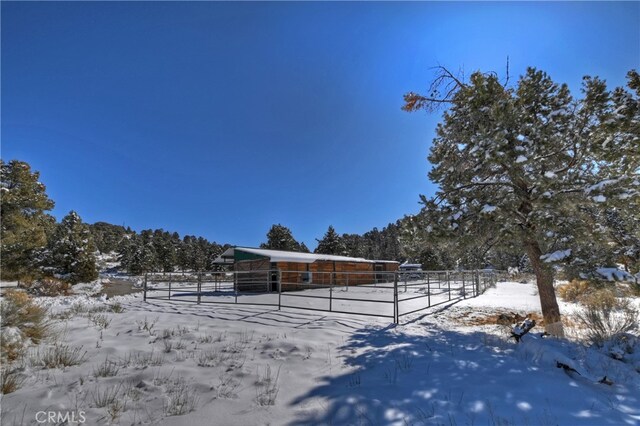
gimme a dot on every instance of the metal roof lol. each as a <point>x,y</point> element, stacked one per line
<point>291,256</point>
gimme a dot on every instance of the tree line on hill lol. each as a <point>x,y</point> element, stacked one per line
<point>34,245</point>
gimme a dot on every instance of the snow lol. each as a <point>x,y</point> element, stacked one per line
<point>615,274</point>
<point>599,198</point>
<point>600,185</point>
<point>290,256</point>
<point>550,175</point>
<point>555,256</point>
<point>521,159</point>
<point>11,336</point>
<point>488,208</point>
<point>521,138</point>
<point>441,366</point>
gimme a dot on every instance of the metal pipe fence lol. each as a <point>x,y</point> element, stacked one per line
<point>371,293</point>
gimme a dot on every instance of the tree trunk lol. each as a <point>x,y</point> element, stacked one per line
<point>544,280</point>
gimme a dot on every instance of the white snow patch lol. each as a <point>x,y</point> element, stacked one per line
<point>555,256</point>
<point>488,208</point>
<point>615,274</point>
<point>521,159</point>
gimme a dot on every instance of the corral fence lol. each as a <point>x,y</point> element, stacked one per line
<point>390,295</point>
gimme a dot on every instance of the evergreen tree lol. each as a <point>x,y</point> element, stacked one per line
<point>527,163</point>
<point>280,238</point>
<point>331,243</point>
<point>72,250</point>
<point>354,245</point>
<point>106,236</point>
<point>165,250</point>
<point>137,253</point>
<point>25,225</point>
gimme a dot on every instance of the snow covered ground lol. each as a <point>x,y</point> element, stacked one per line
<point>243,365</point>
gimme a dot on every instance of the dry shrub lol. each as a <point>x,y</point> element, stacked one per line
<point>49,286</point>
<point>19,313</point>
<point>605,316</point>
<point>576,290</point>
<point>10,381</point>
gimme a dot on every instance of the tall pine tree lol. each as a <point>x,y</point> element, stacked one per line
<point>526,164</point>
<point>25,225</point>
<point>280,238</point>
<point>331,243</point>
<point>72,250</point>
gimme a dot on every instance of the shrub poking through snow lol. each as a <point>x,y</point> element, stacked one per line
<point>58,356</point>
<point>576,290</point>
<point>181,398</point>
<point>101,321</point>
<point>267,387</point>
<point>48,286</point>
<point>21,319</point>
<point>106,369</point>
<point>10,381</point>
<point>104,397</point>
<point>624,347</point>
<point>605,316</point>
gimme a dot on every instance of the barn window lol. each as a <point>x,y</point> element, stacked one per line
<point>307,277</point>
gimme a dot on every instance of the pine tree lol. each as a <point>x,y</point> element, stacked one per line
<point>106,236</point>
<point>165,250</point>
<point>72,250</point>
<point>280,238</point>
<point>331,243</point>
<point>527,163</point>
<point>354,245</point>
<point>138,254</point>
<point>25,225</point>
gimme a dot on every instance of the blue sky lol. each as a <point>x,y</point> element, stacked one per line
<point>221,119</point>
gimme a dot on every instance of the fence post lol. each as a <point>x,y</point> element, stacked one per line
<point>428,291</point>
<point>279,278</point>
<point>235,286</point>
<point>169,286</point>
<point>464,287</point>
<point>396,311</point>
<point>145,287</point>
<point>199,286</point>
<point>448,284</point>
<point>332,279</point>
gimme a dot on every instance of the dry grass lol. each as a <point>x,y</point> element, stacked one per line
<point>18,310</point>
<point>48,286</point>
<point>605,316</point>
<point>10,381</point>
<point>505,318</point>
<point>57,356</point>
<point>181,398</point>
<point>576,290</point>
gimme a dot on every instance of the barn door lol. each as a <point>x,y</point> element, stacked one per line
<point>379,268</point>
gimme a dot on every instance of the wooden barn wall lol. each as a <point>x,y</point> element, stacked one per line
<point>391,267</point>
<point>346,273</point>
<point>292,274</point>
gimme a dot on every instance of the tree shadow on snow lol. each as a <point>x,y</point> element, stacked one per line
<point>447,377</point>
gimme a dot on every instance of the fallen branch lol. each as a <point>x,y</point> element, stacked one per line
<point>571,371</point>
<point>523,328</point>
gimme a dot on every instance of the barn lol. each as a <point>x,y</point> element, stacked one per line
<point>264,270</point>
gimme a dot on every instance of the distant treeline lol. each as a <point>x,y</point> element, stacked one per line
<point>34,244</point>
